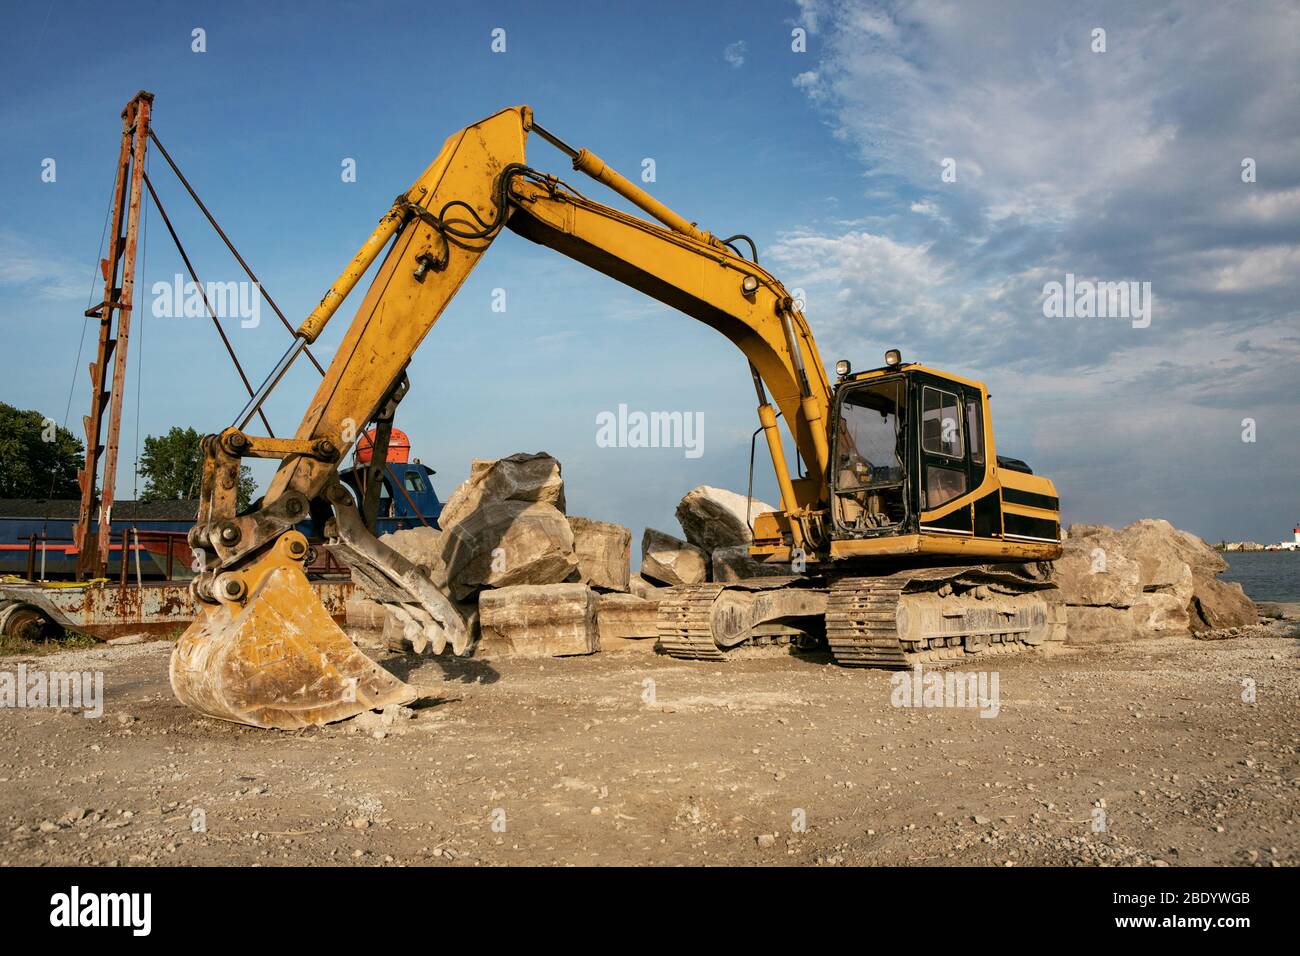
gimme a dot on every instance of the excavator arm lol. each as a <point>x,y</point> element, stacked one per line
<point>259,652</point>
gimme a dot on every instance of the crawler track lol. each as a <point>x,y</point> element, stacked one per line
<point>863,617</point>
<point>934,616</point>
<point>684,622</point>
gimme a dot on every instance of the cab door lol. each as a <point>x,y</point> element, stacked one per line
<point>944,456</point>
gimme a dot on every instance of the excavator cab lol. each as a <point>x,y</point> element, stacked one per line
<point>914,470</point>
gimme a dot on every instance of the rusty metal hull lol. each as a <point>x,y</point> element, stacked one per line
<point>155,607</point>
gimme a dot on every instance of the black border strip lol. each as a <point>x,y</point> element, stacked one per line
<point>1030,499</point>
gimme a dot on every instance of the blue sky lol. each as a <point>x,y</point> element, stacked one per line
<point>1115,166</point>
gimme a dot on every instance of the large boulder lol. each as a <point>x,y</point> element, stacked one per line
<point>1210,602</point>
<point>733,563</point>
<point>1095,571</point>
<point>1162,580</point>
<point>520,477</point>
<point>1219,604</point>
<point>504,543</point>
<point>422,547</point>
<point>671,560</point>
<point>603,550</point>
<point>627,622</point>
<point>1167,558</point>
<point>716,518</point>
<point>529,620</point>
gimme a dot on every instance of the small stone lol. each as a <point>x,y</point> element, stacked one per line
<point>766,840</point>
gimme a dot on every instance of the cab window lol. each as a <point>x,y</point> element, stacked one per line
<point>415,482</point>
<point>975,428</point>
<point>944,423</point>
<point>868,474</point>
<point>941,429</point>
<point>943,484</point>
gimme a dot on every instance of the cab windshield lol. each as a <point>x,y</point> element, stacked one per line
<point>867,468</point>
<point>869,435</point>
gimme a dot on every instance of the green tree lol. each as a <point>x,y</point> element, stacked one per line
<point>38,459</point>
<point>172,468</point>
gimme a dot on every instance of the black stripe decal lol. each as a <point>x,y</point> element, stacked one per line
<point>1030,527</point>
<point>988,516</point>
<point>1014,496</point>
<point>958,520</point>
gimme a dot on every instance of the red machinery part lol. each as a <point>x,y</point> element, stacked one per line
<point>399,447</point>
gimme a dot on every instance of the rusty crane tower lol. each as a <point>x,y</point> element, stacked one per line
<point>93,532</point>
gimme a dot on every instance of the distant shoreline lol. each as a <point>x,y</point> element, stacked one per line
<point>1256,549</point>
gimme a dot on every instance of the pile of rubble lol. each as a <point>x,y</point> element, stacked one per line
<point>534,581</point>
<point>531,580</point>
<point>1147,579</point>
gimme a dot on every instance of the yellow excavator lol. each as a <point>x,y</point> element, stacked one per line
<point>906,536</point>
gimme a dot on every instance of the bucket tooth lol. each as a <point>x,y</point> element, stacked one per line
<point>278,661</point>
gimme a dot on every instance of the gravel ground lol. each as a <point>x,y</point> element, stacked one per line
<point>1141,754</point>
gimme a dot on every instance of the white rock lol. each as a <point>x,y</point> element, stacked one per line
<point>717,518</point>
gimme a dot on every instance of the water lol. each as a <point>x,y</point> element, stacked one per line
<point>1265,575</point>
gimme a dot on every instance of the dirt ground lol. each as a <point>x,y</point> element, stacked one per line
<point>1137,754</point>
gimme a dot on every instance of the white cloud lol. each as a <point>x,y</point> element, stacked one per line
<point>810,14</point>
<point>735,53</point>
<point>929,209</point>
<point>1248,270</point>
<point>1117,166</point>
<point>28,265</point>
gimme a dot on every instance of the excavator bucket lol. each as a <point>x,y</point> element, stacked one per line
<point>277,660</point>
